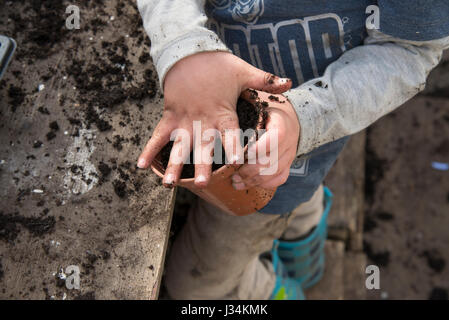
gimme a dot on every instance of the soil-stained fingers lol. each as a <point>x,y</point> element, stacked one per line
<point>179,155</point>
<point>203,153</point>
<point>230,137</point>
<point>265,81</point>
<point>160,137</point>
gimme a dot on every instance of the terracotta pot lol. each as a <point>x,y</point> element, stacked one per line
<point>221,193</point>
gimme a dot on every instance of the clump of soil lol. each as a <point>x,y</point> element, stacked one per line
<point>369,224</point>
<point>37,144</point>
<point>439,293</point>
<point>9,229</point>
<point>118,140</point>
<point>54,127</point>
<point>105,171</point>
<point>101,83</point>
<point>43,110</point>
<point>435,260</point>
<point>251,116</point>
<point>43,28</point>
<point>1,271</point>
<point>120,188</point>
<point>87,296</point>
<point>374,170</point>
<point>16,96</point>
<point>381,259</point>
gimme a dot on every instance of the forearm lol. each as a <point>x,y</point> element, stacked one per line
<point>177,30</point>
<point>364,84</point>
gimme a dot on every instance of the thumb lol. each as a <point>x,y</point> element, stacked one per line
<point>264,81</point>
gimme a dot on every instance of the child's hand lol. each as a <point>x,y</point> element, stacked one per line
<point>280,151</point>
<point>205,87</point>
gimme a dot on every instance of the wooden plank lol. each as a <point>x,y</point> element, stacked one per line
<point>354,276</point>
<point>58,207</point>
<point>346,180</point>
<point>331,287</point>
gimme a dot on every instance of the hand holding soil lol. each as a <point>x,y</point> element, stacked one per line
<point>281,137</point>
<point>205,87</point>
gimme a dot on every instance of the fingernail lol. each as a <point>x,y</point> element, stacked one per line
<point>236,178</point>
<point>238,186</point>
<point>200,179</point>
<point>169,178</point>
<point>141,163</point>
<point>252,154</point>
<point>235,159</point>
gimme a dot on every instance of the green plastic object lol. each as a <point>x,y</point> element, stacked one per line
<point>7,48</point>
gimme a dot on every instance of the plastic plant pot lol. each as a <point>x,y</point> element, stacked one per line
<point>221,193</point>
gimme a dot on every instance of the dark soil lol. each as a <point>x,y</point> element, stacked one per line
<point>105,171</point>
<point>101,85</point>
<point>381,259</point>
<point>251,116</point>
<point>17,96</point>
<point>9,228</point>
<point>54,126</point>
<point>51,135</point>
<point>120,188</point>
<point>37,144</point>
<point>435,260</point>
<point>407,199</point>
<point>117,144</point>
<point>438,293</point>
<point>87,296</point>
<point>43,26</point>
<point>1,271</point>
<point>374,170</point>
<point>43,110</point>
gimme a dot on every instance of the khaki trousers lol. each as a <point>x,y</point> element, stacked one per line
<point>219,256</point>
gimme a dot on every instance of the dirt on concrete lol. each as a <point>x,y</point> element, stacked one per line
<point>407,199</point>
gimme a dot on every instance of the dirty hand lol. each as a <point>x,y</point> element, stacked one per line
<point>204,87</point>
<point>275,150</point>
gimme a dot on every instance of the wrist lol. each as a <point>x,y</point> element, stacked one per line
<point>205,41</point>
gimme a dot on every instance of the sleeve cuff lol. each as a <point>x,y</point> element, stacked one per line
<point>185,46</point>
<point>301,100</point>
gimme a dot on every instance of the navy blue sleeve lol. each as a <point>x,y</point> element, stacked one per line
<point>417,20</point>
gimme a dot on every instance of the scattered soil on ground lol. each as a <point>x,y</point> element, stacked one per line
<point>94,84</point>
<point>405,223</point>
<point>37,226</point>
